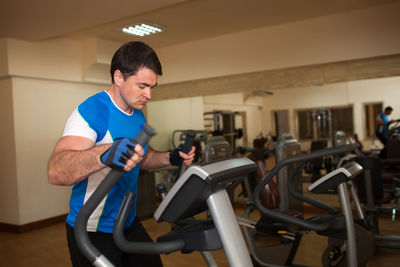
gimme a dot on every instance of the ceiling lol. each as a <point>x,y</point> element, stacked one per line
<point>183,20</point>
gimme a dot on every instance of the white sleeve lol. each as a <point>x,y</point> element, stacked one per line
<point>77,126</point>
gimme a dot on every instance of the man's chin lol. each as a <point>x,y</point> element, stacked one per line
<point>139,106</point>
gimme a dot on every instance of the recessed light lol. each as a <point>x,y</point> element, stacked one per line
<point>141,29</point>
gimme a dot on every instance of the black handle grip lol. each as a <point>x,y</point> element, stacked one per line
<point>161,190</point>
<point>81,236</point>
<point>189,140</point>
<point>144,135</point>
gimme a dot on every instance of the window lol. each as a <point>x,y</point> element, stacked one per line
<point>321,123</point>
<point>342,120</point>
<point>371,111</point>
<point>305,124</point>
<point>281,118</point>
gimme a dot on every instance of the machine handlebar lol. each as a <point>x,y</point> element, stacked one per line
<point>139,247</point>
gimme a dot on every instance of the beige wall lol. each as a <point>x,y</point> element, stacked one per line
<point>41,108</point>
<point>4,58</point>
<point>42,82</point>
<point>9,200</point>
<point>54,59</point>
<point>170,115</point>
<point>359,34</point>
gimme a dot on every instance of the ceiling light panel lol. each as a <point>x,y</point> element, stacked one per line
<point>141,29</point>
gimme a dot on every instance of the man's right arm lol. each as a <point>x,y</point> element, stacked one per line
<point>74,158</point>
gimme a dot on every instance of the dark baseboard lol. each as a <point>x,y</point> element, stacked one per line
<point>5,227</point>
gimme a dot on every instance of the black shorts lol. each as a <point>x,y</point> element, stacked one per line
<point>105,244</point>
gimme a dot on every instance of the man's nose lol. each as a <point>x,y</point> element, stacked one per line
<point>148,92</point>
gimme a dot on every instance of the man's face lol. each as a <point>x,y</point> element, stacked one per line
<point>135,91</point>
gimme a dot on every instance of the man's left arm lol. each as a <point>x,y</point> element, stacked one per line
<point>154,159</point>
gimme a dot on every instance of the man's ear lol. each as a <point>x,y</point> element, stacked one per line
<point>118,77</point>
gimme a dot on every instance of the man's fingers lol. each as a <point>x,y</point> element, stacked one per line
<point>135,158</point>
<point>188,155</point>
<point>139,150</point>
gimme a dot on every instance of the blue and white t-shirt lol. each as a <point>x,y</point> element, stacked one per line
<point>99,119</point>
<point>383,118</point>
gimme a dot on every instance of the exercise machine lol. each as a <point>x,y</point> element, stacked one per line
<point>223,123</point>
<point>394,130</point>
<point>370,189</point>
<point>200,188</point>
<point>286,147</point>
<point>217,148</point>
<point>189,137</point>
<point>190,196</point>
<point>333,224</point>
<point>270,241</point>
<point>337,250</point>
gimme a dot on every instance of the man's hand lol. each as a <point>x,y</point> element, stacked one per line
<point>176,155</point>
<point>123,154</point>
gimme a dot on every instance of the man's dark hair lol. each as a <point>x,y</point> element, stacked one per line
<point>388,108</point>
<point>132,56</point>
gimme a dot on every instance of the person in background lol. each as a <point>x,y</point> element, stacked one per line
<point>383,122</point>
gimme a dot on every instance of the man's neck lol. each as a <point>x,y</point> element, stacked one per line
<point>118,100</point>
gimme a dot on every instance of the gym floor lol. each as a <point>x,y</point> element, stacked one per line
<point>47,246</point>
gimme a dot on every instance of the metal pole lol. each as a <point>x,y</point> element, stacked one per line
<point>228,229</point>
<point>351,247</point>
<point>356,201</point>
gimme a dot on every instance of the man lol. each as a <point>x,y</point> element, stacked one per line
<point>87,147</point>
<point>382,122</point>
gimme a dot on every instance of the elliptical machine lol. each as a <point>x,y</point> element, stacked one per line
<point>270,241</point>
<point>370,190</point>
<point>199,188</point>
<point>332,224</point>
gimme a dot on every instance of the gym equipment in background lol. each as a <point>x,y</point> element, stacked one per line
<point>371,190</point>
<point>332,224</point>
<point>224,123</point>
<point>217,148</point>
<point>287,147</point>
<point>281,242</point>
